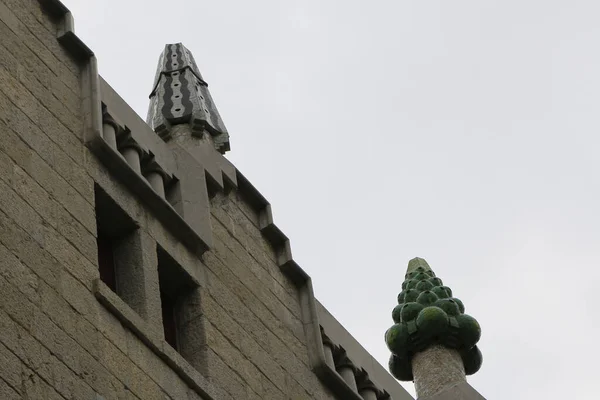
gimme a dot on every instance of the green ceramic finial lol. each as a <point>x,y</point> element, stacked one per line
<point>426,315</point>
<point>416,263</point>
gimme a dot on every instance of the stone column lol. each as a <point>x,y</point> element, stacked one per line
<point>109,134</point>
<point>366,388</point>
<point>433,342</point>
<point>110,128</point>
<point>131,151</point>
<point>435,369</point>
<point>155,179</point>
<point>346,369</point>
<point>155,175</point>
<point>328,348</point>
<point>137,276</point>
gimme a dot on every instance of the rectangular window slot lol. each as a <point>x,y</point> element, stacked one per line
<point>120,255</point>
<point>183,324</point>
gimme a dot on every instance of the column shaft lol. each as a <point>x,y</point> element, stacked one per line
<point>133,158</point>
<point>155,180</point>
<point>347,373</point>
<point>435,369</point>
<point>109,135</point>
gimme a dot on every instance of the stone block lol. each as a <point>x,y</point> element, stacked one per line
<point>42,52</point>
<point>23,214</point>
<point>222,346</point>
<point>42,29</point>
<point>10,367</point>
<point>9,393</point>
<point>250,313</point>
<point>244,265</point>
<point>232,382</point>
<point>30,252</point>
<point>61,134</point>
<point>73,261</point>
<point>78,295</point>
<point>19,275</point>
<point>73,189</point>
<point>55,214</point>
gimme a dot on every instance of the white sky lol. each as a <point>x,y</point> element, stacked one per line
<point>464,132</point>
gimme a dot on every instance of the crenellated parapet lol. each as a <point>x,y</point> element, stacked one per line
<point>173,187</point>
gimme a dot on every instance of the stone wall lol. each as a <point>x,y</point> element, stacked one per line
<point>245,325</point>
<point>253,312</point>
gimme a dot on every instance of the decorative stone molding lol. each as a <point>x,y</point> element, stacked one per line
<point>162,349</point>
<point>357,383</point>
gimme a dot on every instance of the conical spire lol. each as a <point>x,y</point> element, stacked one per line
<point>180,96</point>
<point>431,323</point>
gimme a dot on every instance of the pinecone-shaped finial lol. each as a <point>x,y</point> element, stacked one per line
<point>427,314</point>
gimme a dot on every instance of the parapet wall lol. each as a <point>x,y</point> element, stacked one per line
<point>78,164</point>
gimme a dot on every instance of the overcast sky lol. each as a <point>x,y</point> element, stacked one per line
<point>463,132</point>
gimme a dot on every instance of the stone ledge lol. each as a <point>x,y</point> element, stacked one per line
<point>66,33</point>
<point>360,357</point>
<point>132,321</point>
<point>163,211</point>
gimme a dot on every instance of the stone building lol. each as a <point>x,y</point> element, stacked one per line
<point>137,261</point>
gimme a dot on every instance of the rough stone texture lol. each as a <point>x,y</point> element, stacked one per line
<point>462,391</point>
<point>436,369</point>
<point>65,336</point>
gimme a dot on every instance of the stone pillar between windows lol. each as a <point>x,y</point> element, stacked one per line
<point>137,277</point>
<point>192,337</point>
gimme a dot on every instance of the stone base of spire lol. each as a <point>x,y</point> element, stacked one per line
<point>437,369</point>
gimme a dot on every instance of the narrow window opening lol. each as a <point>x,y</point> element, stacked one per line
<point>183,320</point>
<point>120,255</point>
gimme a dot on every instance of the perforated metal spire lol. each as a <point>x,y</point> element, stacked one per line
<point>180,96</point>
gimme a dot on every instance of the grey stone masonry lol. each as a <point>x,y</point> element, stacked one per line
<point>180,96</point>
<point>144,266</point>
